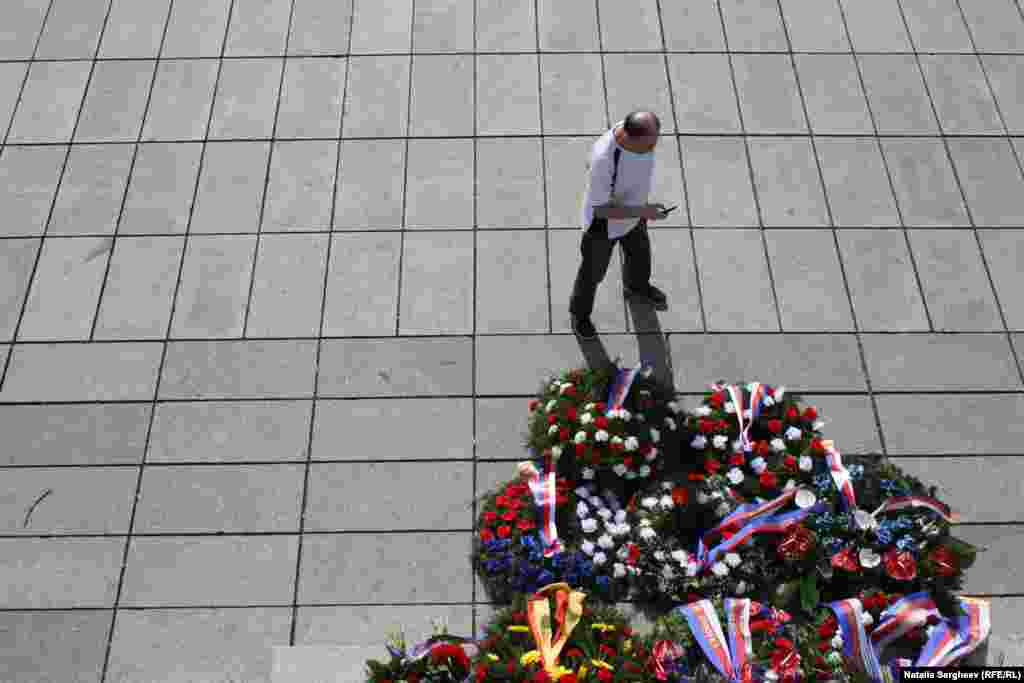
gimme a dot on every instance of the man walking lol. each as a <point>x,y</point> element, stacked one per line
<point>615,210</point>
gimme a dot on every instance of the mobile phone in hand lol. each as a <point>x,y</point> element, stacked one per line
<point>669,210</point>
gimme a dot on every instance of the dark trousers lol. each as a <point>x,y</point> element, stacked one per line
<point>597,250</point>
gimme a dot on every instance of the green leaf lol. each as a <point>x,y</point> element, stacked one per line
<point>809,594</point>
<point>966,552</point>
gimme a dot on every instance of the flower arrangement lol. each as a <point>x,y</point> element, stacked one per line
<point>605,539</point>
<point>441,658</point>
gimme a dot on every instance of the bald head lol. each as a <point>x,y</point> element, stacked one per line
<point>641,124</point>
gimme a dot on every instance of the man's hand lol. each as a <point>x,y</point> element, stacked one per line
<point>654,212</point>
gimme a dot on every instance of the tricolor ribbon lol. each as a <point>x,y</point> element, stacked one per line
<point>958,637</point>
<point>902,616</point>
<point>841,476</point>
<point>545,497</point>
<point>904,502</point>
<point>757,395</point>
<point>741,516</point>
<point>624,379</point>
<point>856,645</point>
<point>425,647</point>
<point>568,612</point>
<point>732,657</point>
<point>777,524</point>
<point>664,651</point>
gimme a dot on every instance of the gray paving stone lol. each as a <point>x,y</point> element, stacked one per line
<point>566,162</point>
<point>572,94</point>
<point>883,286</point>
<point>442,95</point>
<point>692,27</point>
<point>808,281</point>
<point>638,81</point>
<point>1005,641</point>
<point>54,646</point>
<point>718,182</point>
<point>633,26</point>
<point>388,496</point>
<point>311,97</point>
<point>815,26</point>
<point>377,99</point>
<point>437,284</point>
<point>362,285</point>
<point>116,101</point>
<point>82,372</point>
<point>849,422</point>
<point>182,96</point>
<point>609,314</point>
<point>568,25</point>
<point>501,429</point>
<point>769,98</point>
<point>735,280</point>
<point>371,186</point>
<point>17,258</point>
<point>704,98</point>
<point>93,500</point>
<point>440,188</point>
<point>74,434</point>
<point>28,178</point>
<point>183,645</point>
<point>492,475</point>
<point>509,364</point>
<point>507,96</point>
<point>936,26</point>
<point>442,26</point>
<point>955,285</point>
<point>668,187</point>
<point>258,28</point>
<point>212,431</point>
<point>1005,75</point>
<point>382,28</point>
<point>801,362</point>
<point>897,95</point>
<point>504,258</point>
<point>920,425</point>
<point>12,75</point>
<point>994,480</point>
<point>364,429</point>
<point>300,190</point>
<point>857,183</point>
<point>754,26</point>
<point>991,180</point>
<point>231,187</point>
<point>49,102</point>
<point>506,26</point>
<point>365,568</point>
<point>135,28</point>
<point>395,367</point>
<point>197,28</point>
<point>214,289</point>
<point>510,183</point>
<point>788,182</point>
<point>996,25</point>
<point>140,288</point>
<point>22,23</point>
<point>161,189</point>
<point>320,27</point>
<point>939,362</point>
<point>961,94</point>
<point>876,26</point>
<point>233,570</point>
<point>673,271</point>
<point>831,88</point>
<point>242,369</point>
<point>1003,251</point>
<point>63,297</point>
<point>996,570</point>
<point>220,498</point>
<point>59,572</point>
<point>72,29</point>
<point>925,185</point>
<point>288,286</point>
<point>246,98</point>
<point>91,191</point>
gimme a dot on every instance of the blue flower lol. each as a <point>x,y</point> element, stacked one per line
<point>603,582</point>
<point>823,481</point>
<point>856,471</point>
<point>884,536</point>
<point>905,543</point>
<point>545,577</point>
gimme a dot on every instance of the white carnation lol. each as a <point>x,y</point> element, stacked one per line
<point>666,485</point>
<point>723,509</point>
<point>600,559</point>
<point>768,401</point>
<point>632,443</point>
<point>730,407</point>
<point>601,436</point>
<point>586,418</point>
<point>581,436</point>
<point>735,476</point>
<point>673,406</point>
<point>719,569</point>
<point>806,463</point>
<point>733,560</point>
<point>647,533</point>
<point>587,473</point>
<point>655,435</point>
<point>668,572</point>
<point>778,445</point>
<point>837,641</point>
<point>617,440</point>
<point>556,452</point>
<point>605,514</point>
<point>720,441</point>
<point>595,502</point>
<point>670,423</point>
<point>587,547</point>
<point>659,556</point>
<point>699,442</point>
<point>582,511</point>
<point>758,465</point>
<point>681,556</point>
<point>702,498</point>
<point>622,553</point>
<point>589,525</point>
<point>650,502</point>
<point>620,516</point>
<point>552,430</point>
<point>793,434</point>
<point>790,484</point>
<point>868,619</point>
<point>619,570</point>
<point>667,503</point>
<point>550,407</point>
<point>741,588</point>
<point>645,471</point>
<point>589,406</point>
<point>640,417</point>
<point>620,469</point>
<point>703,411</point>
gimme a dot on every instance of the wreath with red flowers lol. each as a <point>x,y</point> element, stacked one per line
<point>440,659</point>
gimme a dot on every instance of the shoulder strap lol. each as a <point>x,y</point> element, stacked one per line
<point>615,166</point>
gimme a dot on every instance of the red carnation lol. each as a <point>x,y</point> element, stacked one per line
<point>775,426</point>
<point>768,480</point>
<point>444,651</point>
<point>571,391</point>
<point>601,422</point>
<point>706,426</point>
<point>737,460</point>
<point>695,476</point>
<point>900,565</point>
<point>810,413</point>
<point>712,466</point>
<point>561,499</point>
<point>563,434</point>
<point>792,413</point>
<point>605,676</point>
<point>716,400</point>
<point>533,405</point>
<point>525,525</point>
<point>828,628</point>
<point>797,542</point>
<point>552,419</point>
<point>568,678</point>
<point>680,496</point>
<point>501,501</point>
<point>574,652</point>
<point>943,560</point>
<point>581,448</point>
<point>516,490</point>
<point>606,651</point>
<point>790,463</point>
<point>490,517</point>
<point>519,617</point>
<point>571,413</point>
<point>508,516</point>
<point>514,504</point>
<point>486,535</point>
<point>504,531</point>
<point>846,559</point>
<point>600,407</point>
<point>481,673</point>
<point>762,448</point>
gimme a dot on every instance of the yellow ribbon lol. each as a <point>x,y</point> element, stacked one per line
<point>569,606</point>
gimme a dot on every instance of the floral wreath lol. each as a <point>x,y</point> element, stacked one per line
<point>605,539</point>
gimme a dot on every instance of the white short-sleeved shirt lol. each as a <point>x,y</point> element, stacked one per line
<point>632,184</point>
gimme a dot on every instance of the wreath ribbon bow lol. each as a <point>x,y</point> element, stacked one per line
<point>568,612</point>
<point>731,657</point>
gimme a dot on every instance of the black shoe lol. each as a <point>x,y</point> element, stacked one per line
<point>651,295</point>
<point>583,328</point>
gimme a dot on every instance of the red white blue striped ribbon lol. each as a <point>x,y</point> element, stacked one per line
<point>775,524</point>
<point>904,502</point>
<point>841,476</point>
<point>902,616</point>
<point>707,631</point>
<point>737,616</point>
<point>544,497</point>
<point>624,379</point>
<point>958,637</point>
<point>856,645</point>
<point>757,394</point>
<point>741,516</point>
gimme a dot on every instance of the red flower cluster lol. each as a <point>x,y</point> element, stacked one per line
<point>515,512</point>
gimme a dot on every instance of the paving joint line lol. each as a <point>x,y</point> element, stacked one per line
<point>405,176</point>
<point>472,359</point>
